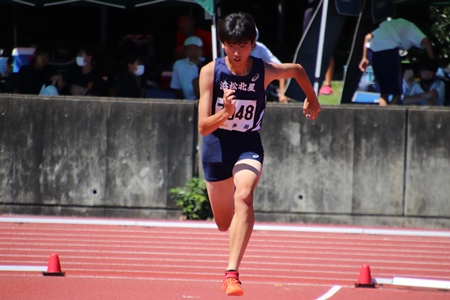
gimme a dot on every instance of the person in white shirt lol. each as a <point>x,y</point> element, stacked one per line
<point>384,45</point>
<point>185,70</point>
<point>261,51</point>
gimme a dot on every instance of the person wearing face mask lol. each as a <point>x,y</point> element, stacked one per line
<point>429,89</point>
<point>186,70</point>
<point>84,79</point>
<point>130,82</point>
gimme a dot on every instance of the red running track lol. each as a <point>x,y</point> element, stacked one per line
<point>125,259</point>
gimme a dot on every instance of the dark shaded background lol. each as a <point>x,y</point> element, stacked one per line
<point>66,26</point>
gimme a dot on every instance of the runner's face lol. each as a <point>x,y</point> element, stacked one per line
<point>238,52</point>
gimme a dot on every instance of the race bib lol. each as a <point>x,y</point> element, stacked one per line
<point>243,117</point>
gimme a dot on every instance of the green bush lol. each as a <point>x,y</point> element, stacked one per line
<point>193,200</point>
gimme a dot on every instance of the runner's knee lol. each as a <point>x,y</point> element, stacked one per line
<point>223,225</point>
<point>244,195</point>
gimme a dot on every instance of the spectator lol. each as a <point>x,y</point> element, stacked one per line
<point>186,28</point>
<point>261,51</point>
<point>142,44</point>
<point>37,74</point>
<point>185,70</point>
<point>84,79</point>
<point>327,88</point>
<point>382,50</point>
<point>8,78</point>
<point>429,89</point>
<point>130,81</point>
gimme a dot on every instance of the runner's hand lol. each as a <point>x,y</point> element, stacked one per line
<point>229,99</point>
<point>311,108</point>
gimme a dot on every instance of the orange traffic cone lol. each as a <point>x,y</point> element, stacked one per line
<point>54,267</point>
<point>365,279</point>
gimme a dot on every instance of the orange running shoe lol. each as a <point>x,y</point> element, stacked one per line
<point>231,284</point>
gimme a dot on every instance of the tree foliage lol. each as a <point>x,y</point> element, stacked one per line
<point>439,33</point>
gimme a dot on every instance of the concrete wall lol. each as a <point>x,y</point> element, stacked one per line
<point>94,156</point>
<point>427,188</point>
<point>355,164</point>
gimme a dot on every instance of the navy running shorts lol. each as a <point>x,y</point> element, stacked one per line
<point>222,149</point>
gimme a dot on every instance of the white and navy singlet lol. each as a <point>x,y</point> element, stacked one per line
<point>238,137</point>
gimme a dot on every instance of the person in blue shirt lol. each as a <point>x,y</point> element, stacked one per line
<point>429,89</point>
<point>185,70</point>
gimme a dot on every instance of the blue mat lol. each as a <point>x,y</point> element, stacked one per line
<point>365,97</point>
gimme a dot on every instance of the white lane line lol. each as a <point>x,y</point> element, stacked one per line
<point>419,282</point>
<point>414,282</point>
<point>191,279</point>
<point>122,267</point>
<point>81,261</point>
<point>427,233</point>
<point>99,272</point>
<point>211,225</point>
<point>330,293</point>
<point>23,268</point>
<point>73,234</point>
